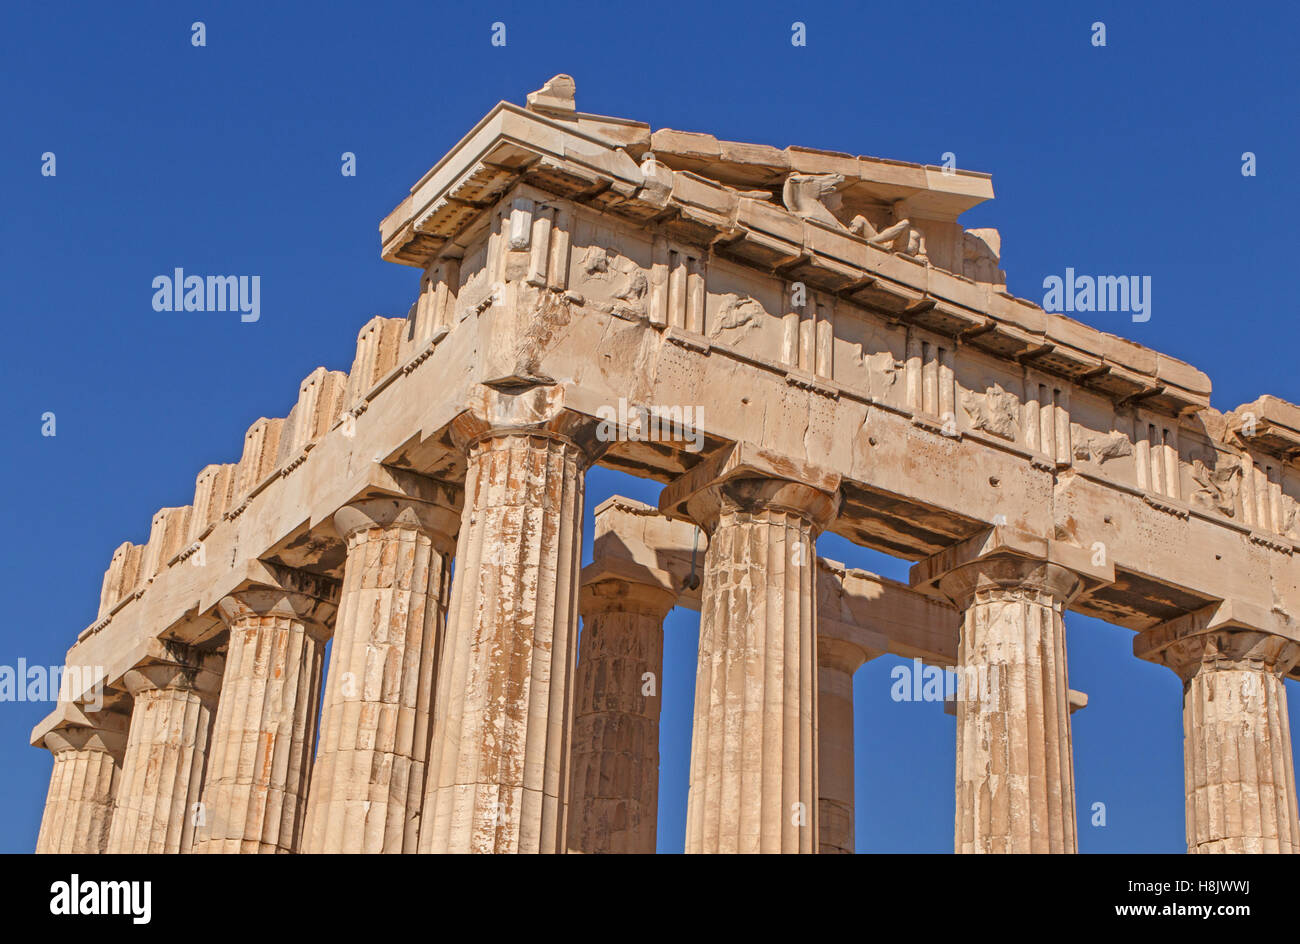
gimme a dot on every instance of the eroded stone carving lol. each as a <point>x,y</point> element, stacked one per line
<point>1218,484</point>
<point>981,251</point>
<point>738,312</point>
<point>557,95</point>
<point>883,364</point>
<point>993,411</point>
<point>613,283</point>
<point>900,237</point>
<point>1289,510</point>
<point>813,197</point>
<point>1101,449</point>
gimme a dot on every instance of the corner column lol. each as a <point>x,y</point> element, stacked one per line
<point>1237,762</point>
<point>166,751</point>
<point>753,780</point>
<point>1015,767</point>
<point>87,769</point>
<point>614,787</point>
<point>368,784</point>
<point>254,797</point>
<point>498,780</point>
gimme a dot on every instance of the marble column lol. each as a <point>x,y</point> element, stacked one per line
<point>1237,762</point>
<point>753,776</point>
<point>259,766</point>
<point>166,750</point>
<point>836,663</point>
<point>368,784</point>
<point>498,778</point>
<point>83,784</point>
<point>614,785</point>
<point>1015,769</point>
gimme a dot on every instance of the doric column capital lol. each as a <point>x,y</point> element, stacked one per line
<point>746,479</point>
<point>440,520</point>
<point>754,496</point>
<point>269,590</point>
<point>1232,649</point>
<point>1000,575</point>
<point>109,738</point>
<point>537,410</point>
<point>1004,561</point>
<point>1220,636</point>
<point>178,667</point>
<point>615,585</point>
<point>398,498</point>
<point>841,655</point>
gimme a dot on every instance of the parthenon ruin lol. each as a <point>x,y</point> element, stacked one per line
<point>851,362</point>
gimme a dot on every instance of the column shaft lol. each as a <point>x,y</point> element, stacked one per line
<point>368,784</point>
<point>1015,770</point>
<point>254,798</point>
<point>498,781</point>
<point>1241,793</point>
<point>753,780</point>
<point>614,786</point>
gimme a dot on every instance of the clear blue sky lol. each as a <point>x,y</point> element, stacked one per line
<point>225,159</point>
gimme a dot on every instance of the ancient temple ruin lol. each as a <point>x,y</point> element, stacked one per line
<point>851,362</point>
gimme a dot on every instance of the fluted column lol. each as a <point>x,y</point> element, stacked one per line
<point>614,786</point>
<point>1237,762</point>
<point>166,750</point>
<point>836,663</point>
<point>753,778</point>
<point>255,791</point>
<point>368,784</point>
<point>1015,769</point>
<point>498,780</point>
<point>87,768</point>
